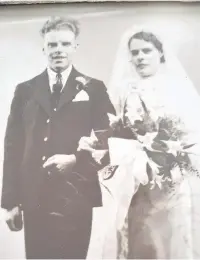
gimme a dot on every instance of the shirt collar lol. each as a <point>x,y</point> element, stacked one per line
<point>52,76</point>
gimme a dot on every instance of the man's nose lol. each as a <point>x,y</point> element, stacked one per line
<point>58,48</point>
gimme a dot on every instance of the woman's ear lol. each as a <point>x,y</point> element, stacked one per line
<point>162,58</point>
<point>77,46</point>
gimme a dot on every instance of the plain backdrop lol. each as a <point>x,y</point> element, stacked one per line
<point>102,25</point>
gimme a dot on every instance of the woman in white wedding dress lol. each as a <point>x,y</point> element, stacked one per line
<point>156,187</point>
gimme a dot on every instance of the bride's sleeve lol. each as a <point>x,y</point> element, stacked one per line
<point>191,139</point>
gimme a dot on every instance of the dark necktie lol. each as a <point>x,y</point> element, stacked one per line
<point>57,87</point>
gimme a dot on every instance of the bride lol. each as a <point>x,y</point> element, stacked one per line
<point>156,209</point>
<point>154,174</point>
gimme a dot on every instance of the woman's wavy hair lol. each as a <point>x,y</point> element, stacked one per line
<point>149,37</point>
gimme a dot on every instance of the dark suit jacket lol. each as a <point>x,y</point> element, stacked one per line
<point>31,119</point>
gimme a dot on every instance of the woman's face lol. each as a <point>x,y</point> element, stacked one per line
<point>145,57</point>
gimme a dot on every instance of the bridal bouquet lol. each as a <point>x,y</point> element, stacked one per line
<point>155,145</point>
<point>160,150</point>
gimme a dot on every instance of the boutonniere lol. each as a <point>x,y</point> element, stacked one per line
<point>82,82</point>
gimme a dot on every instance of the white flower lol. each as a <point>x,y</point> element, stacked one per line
<point>147,140</point>
<point>82,80</point>
<point>157,180</point>
<point>114,120</point>
<point>174,147</point>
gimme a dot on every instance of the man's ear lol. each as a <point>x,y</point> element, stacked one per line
<point>43,47</point>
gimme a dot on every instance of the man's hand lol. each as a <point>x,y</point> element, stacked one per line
<point>61,162</point>
<point>14,219</point>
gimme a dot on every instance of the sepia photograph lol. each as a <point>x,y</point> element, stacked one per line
<point>100,131</point>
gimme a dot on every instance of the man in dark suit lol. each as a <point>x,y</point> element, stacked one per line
<point>44,175</point>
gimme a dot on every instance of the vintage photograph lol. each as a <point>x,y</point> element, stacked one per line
<point>100,131</point>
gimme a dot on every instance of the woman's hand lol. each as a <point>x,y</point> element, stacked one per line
<point>89,144</point>
<point>86,144</point>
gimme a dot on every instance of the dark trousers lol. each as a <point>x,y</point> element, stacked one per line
<point>53,236</point>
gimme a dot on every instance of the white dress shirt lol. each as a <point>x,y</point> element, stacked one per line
<point>52,76</point>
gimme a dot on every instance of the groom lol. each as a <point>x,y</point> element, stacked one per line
<point>44,176</point>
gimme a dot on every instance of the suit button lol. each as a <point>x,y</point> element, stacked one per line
<point>48,120</point>
<point>43,158</point>
<point>54,109</point>
<point>45,139</point>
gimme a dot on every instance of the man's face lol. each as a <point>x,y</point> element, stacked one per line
<point>145,57</point>
<point>59,47</point>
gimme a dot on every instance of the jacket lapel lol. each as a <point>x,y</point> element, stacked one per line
<point>70,89</point>
<point>43,92</point>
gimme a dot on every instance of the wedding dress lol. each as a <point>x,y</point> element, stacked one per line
<point>153,219</point>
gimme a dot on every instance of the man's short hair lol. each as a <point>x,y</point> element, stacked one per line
<point>57,23</point>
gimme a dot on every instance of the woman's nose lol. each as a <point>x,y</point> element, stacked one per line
<point>140,56</point>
